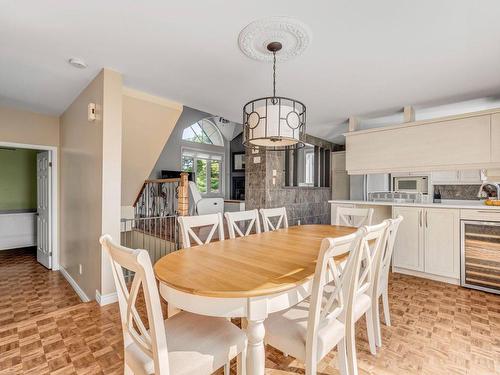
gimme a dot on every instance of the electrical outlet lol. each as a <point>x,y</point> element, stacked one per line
<point>80,268</point>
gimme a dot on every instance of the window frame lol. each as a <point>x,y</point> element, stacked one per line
<point>200,123</point>
<point>221,157</point>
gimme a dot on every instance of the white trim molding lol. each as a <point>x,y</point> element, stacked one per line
<point>54,222</point>
<point>74,284</point>
<point>105,299</point>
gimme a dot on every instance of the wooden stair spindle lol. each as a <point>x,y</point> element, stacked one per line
<point>183,195</point>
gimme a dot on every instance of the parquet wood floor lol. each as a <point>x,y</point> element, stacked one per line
<point>28,289</point>
<point>437,329</point>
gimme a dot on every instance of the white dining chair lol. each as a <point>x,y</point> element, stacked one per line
<point>210,224</point>
<point>353,217</point>
<point>372,245</point>
<point>234,220</point>
<point>187,344</point>
<point>311,329</point>
<point>272,213</point>
<point>382,279</point>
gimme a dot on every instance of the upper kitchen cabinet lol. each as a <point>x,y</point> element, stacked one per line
<point>468,176</point>
<point>451,143</point>
<point>495,138</point>
<point>447,177</point>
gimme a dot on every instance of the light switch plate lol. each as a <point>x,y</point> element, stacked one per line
<point>274,173</point>
<point>256,159</point>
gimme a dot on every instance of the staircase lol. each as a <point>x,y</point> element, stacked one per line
<point>156,208</point>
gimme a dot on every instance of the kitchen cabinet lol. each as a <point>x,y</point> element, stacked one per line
<point>428,241</point>
<point>340,185</point>
<point>444,177</point>
<point>472,176</point>
<point>340,178</point>
<point>468,176</point>
<point>442,144</point>
<point>408,252</point>
<point>442,242</point>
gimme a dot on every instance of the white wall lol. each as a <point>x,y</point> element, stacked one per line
<point>91,182</point>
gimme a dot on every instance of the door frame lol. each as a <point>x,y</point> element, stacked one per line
<point>54,221</point>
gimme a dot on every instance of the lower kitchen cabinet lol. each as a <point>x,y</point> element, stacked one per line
<point>408,251</point>
<point>442,242</point>
<point>428,241</point>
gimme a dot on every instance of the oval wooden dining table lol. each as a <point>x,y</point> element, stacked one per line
<point>248,277</point>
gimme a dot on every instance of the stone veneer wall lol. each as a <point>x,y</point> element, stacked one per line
<point>462,192</point>
<point>307,204</point>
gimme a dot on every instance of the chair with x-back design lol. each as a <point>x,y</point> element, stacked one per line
<point>311,329</point>
<point>270,213</point>
<point>234,220</point>
<point>210,223</point>
<point>353,216</point>
<point>172,346</point>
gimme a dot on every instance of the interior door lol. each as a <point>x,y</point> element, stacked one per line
<point>408,249</point>
<point>44,243</point>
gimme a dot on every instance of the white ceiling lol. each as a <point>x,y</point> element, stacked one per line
<point>366,57</point>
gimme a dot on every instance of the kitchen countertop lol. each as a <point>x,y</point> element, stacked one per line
<point>446,203</point>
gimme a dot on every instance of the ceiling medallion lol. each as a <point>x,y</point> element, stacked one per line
<point>293,35</point>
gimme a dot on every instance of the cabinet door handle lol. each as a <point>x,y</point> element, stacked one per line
<point>426,219</point>
<point>420,217</point>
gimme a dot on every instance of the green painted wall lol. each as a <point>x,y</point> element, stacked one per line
<point>17,179</point>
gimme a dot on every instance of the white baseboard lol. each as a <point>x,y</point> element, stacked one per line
<point>17,245</point>
<point>105,299</point>
<point>424,275</point>
<point>74,284</point>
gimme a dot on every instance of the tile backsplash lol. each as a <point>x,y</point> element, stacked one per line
<point>462,192</point>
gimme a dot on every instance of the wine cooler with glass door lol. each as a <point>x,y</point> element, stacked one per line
<point>481,255</point>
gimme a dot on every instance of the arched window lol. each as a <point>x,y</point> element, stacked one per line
<point>204,131</point>
<point>205,162</point>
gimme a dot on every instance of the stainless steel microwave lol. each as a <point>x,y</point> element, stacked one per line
<point>411,184</point>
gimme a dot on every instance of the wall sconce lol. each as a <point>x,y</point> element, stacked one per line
<point>91,112</point>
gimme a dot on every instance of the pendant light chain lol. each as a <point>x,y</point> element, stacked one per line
<point>274,74</point>
<point>275,123</point>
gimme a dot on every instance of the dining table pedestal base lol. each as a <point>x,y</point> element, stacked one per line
<point>256,355</point>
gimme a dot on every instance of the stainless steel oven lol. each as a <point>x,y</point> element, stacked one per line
<point>480,263</point>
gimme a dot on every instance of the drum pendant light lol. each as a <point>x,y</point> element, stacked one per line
<point>275,122</point>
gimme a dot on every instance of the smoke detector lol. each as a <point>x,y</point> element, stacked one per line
<point>77,63</point>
